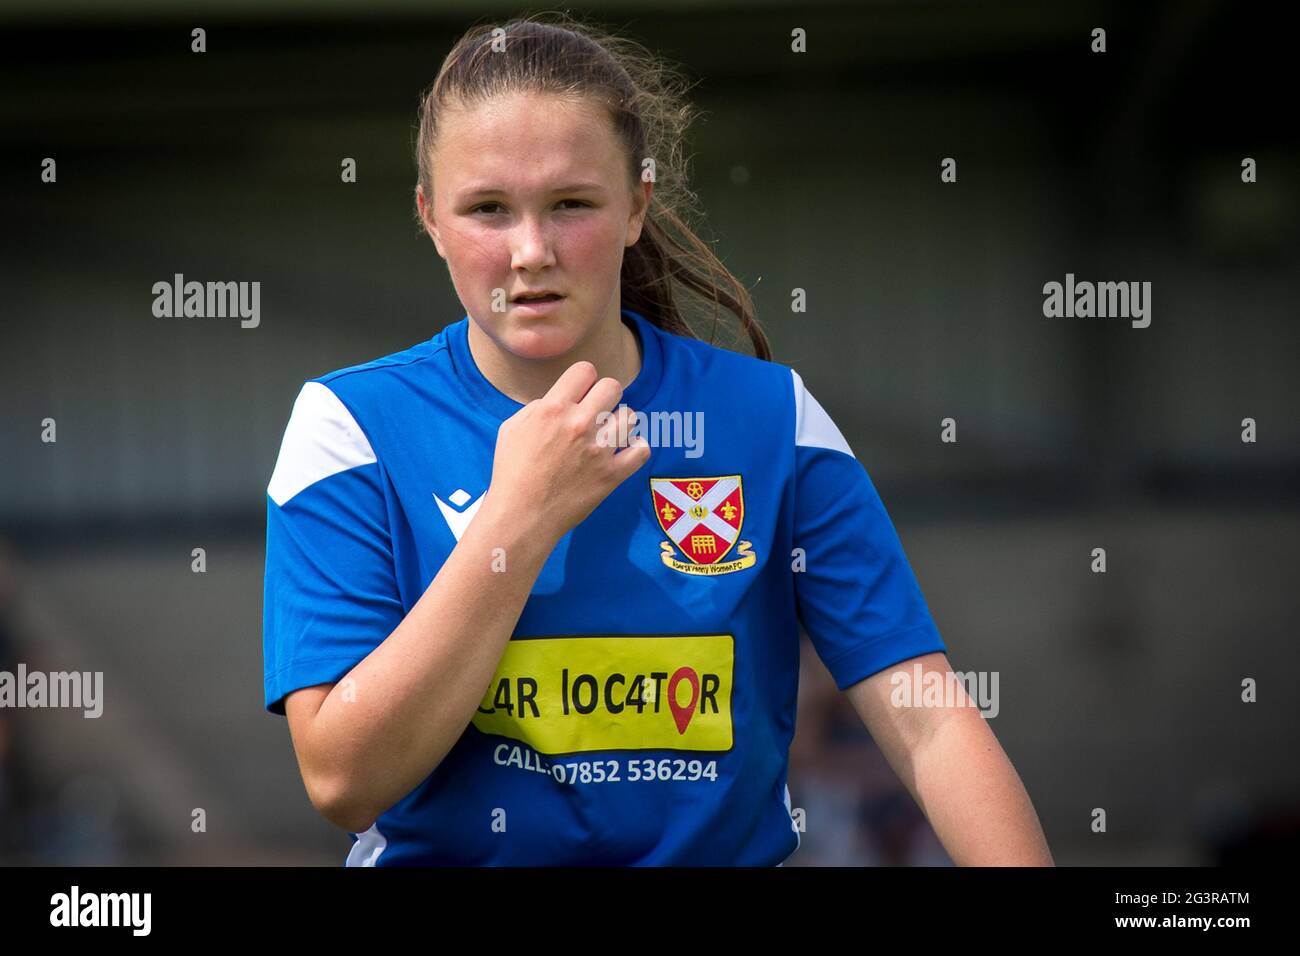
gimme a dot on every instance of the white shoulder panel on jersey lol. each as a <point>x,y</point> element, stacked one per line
<point>813,427</point>
<point>321,439</point>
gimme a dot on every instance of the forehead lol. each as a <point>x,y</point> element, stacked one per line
<point>525,141</point>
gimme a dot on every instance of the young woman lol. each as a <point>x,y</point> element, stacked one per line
<point>521,606</point>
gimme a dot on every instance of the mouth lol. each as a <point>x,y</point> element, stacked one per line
<point>535,298</point>
<point>536,304</point>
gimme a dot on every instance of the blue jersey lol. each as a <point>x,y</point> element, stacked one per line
<point>642,711</point>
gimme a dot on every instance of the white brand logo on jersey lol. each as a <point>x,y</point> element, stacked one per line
<point>456,514</point>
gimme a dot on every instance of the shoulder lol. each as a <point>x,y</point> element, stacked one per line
<point>326,433</point>
<point>763,387</point>
<point>322,439</point>
<point>754,383</point>
<point>813,426</point>
<point>357,382</point>
<point>701,354</point>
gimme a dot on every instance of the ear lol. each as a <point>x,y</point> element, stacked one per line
<point>426,219</point>
<point>637,219</point>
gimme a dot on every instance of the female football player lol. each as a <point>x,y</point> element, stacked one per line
<point>534,587</point>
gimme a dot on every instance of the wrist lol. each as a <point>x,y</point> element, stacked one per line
<point>518,522</point>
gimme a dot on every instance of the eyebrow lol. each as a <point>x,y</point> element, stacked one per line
<point>477,191</point>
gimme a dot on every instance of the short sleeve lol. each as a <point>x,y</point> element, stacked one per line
<point>857,597</point>
<point>330,594</point>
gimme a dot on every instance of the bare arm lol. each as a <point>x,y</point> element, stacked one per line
<point>367,741</point>
<point>955,769</point>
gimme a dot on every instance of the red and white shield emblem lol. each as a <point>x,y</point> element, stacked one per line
<point>702,516</point>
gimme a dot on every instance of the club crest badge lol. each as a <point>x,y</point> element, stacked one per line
<point>702,517</point>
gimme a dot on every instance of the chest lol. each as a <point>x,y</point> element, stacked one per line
<point>682,543</point>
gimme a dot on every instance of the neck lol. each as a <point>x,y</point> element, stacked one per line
<point>611,348</point>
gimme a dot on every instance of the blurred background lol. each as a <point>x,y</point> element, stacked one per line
<point>818,171</point>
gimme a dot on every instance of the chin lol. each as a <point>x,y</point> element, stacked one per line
<point>537,339</point>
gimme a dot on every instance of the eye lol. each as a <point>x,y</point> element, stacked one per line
<point>484,207</point>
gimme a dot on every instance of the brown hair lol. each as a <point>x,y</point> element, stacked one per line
<point>554,53</point>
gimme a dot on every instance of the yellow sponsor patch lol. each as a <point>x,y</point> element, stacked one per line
<point>565,695</point>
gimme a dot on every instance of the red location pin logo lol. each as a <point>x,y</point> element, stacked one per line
<point>682,715</point>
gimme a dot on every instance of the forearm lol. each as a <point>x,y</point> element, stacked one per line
<point>973,797</point>
<point>386,725</point>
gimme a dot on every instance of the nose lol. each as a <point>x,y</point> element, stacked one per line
<point>530,245</point>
